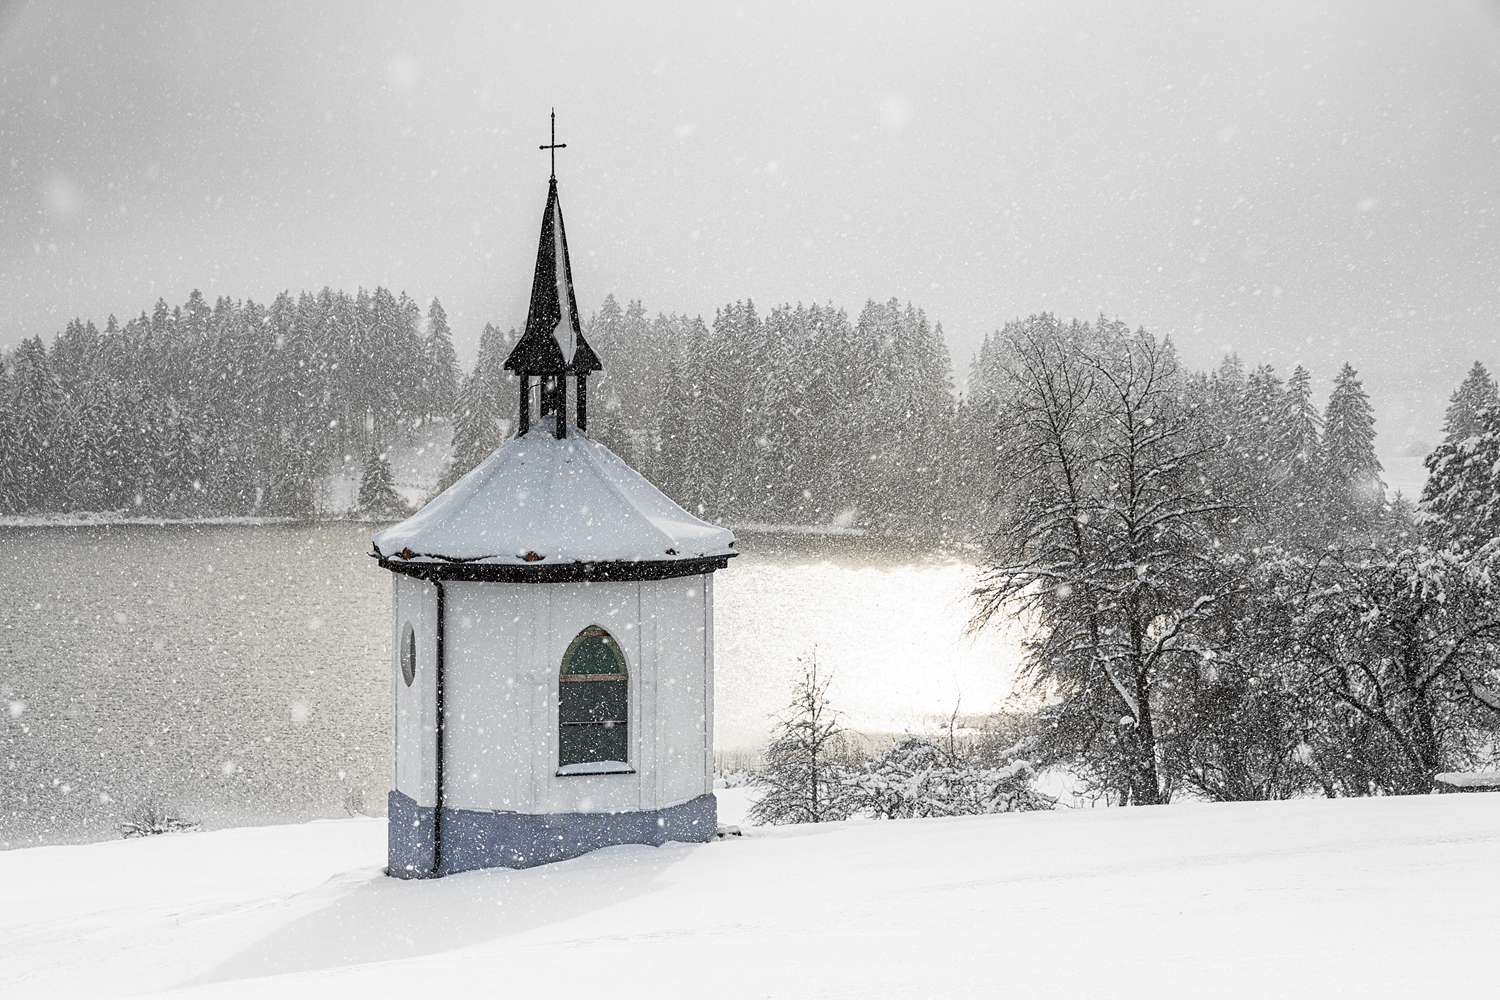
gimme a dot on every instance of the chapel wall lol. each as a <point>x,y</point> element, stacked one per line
<point>504,649</point>
<point>682,679</point>
<point>616,607</point>
<point>413,709</point>
<point>490,694</point>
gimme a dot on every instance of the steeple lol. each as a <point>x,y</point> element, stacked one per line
<point>553,347</point>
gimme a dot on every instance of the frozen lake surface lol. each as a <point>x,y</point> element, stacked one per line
<point>241,671</point>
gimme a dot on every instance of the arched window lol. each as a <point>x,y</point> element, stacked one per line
<point>592,698</point>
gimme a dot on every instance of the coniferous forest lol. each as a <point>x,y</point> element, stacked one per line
<point>1221,598</point>
<point>217,410</point>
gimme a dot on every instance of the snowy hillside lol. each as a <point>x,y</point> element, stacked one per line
<point>1393,897</point>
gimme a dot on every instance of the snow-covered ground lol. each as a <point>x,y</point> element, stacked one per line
<point>1360,898</point>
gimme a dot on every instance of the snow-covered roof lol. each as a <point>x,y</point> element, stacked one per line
<point>540,501</point>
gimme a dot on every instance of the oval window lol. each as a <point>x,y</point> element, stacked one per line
<point>408,654</point>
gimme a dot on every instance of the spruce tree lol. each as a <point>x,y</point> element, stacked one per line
<point>476,428</point>
<point>494,348</point>
<point>685,468</point>
<point>1300,443</point>
<point>440,371</point>
<point>1263,404</point>
<point>10,477</point>
<point>1475,393</point>
<point>38,401</point>
<point>1353,471</point>
<point>1460,504</point>
<point>377,488</point>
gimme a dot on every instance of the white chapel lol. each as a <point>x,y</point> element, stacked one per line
<point>552,624</point>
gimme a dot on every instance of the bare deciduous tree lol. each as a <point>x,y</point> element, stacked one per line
<point>1105,540</point>
<point>802,781</point>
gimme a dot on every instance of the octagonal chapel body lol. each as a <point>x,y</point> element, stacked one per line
<point>552,627</point>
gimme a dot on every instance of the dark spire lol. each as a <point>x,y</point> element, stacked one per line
<point>552,345</point>
<point>553,342</point>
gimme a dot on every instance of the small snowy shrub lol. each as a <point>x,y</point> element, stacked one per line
<point>732,779</point>
<point>916,778</point>
<point>153,816</point>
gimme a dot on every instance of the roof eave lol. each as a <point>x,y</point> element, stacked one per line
<point>556,572</point>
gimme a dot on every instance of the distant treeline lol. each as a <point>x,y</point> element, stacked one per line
<point>800,415</point>
<point>234,408</point>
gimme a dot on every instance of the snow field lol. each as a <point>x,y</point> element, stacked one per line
<point>1316,898</point>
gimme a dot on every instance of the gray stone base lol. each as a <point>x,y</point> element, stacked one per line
<point>477,839</point>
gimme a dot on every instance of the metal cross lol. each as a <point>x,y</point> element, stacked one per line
<point>555,144</point>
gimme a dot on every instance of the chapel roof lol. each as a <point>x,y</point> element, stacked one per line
<point>541,508</point>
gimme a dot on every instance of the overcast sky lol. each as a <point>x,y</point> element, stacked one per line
<point>1298,183</point>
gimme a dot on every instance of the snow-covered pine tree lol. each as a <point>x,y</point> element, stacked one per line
<point>812,366</point>
<point>440,370</point>
<point>608,406</point>
<point>1460,506</point>
<point>1297,454</point>
<point>476,427</point>
<point>1352,470</point>
<point>292,485</point>
<point>411,353</point>
<point>496,387</point>
<point>733,380</point>
<point>1264,403</point>
<point>802,780</point>
<point>1475,393</point>
<point>1301,425</point>
<point>978,416</point>
<point>635,371</point>
<point>896,443</point>
<point>390,363</point>
<point>10,479</point>
<point>37,398</point>
<point>688,425</point>
<point>377,488</point>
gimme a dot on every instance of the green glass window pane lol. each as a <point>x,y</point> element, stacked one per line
<point>592,713</point>
<point>592,701</point>
<point>593,652</point>
<point>589,744</point>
